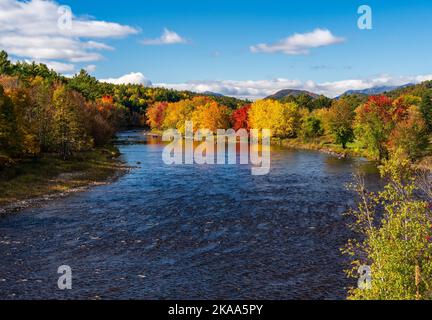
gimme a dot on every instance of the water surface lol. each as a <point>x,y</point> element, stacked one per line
<point>189,232</point>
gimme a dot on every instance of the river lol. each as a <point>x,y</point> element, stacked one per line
<point>189,232</point>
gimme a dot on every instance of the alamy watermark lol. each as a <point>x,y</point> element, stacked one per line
<point>365,279</point>
<point>65,280</point>
<point>218,149</point>
<point>364,22</point>
<point>64,21</point>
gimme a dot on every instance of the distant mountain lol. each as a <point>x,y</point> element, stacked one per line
<point>213,94</point>
<point>291,92</point>
<point>375,90</point>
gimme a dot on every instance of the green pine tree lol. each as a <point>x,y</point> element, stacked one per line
<point>426,109</point>
<point>5,65</point>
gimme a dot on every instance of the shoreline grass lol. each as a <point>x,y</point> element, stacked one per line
<point>325,144</point>
<point>32,180</point>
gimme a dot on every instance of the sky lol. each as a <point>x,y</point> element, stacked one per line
<point>243,48</point>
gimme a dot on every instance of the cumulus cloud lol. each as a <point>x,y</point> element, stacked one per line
<point>167,37</point>
<point>59,66</point>
<point>131,78</point>
<point>90,68</point>
<point>299,43</point>
<point>255,89</point>
<point>33,30</point>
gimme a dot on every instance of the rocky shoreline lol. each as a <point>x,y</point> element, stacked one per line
<point>117,170</point>
<point>19,205</point>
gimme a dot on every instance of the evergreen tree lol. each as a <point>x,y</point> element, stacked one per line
<point>426,109</point>
<point>5,64</point>
<point>87,85</point>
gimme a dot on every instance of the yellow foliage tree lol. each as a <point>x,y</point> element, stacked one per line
<point>210,115</point>
<point>282,119</point>
<point>176,115</point>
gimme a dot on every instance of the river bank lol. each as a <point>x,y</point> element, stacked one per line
<point>324,144</point>
<point>321,144</point>
<point>32,182</point>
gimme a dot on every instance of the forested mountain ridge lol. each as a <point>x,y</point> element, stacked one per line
<point>376,90</point>
<point>291,92</point>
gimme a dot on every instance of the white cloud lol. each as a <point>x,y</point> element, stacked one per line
<point>167,37</point>
<point>131,78</point>
<point>255,89</point>
<point>31,30</point>
<point>90,68</point>
<point>299,43</point>
<point>59,66</point>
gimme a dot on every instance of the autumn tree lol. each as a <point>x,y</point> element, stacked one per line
<point>177,113</point>
<point>383,124</point>
<point>281,118</point>
<point>27,124</point>
<point>410,132</point>
<point>208,114</point>
<point>156,115</point>
<point>374,123</point>
<point>68,134</point>
<point>340,120</point>
<point>96,122</point>
<point>240,118</point>
<point>410,135</point>
<point>41,92</point>
<point>10,142</point>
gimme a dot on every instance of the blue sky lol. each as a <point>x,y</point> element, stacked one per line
<point>216,39</point>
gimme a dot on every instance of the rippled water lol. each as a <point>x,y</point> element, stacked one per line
<point>188,232</point>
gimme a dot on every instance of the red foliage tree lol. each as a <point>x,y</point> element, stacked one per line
<point>381,106</point>
<point>240,118</point>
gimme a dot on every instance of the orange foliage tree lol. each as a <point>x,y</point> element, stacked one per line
<point>203,111</point>
<point>210,115</point>
<point>156,114</point>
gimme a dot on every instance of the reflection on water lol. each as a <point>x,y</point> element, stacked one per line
<point>189,232</point>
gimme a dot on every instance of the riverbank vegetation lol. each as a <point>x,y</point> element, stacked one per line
<point>394,255</point>
<point>372,126</point>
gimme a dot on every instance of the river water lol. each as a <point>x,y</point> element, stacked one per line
<point>189,232</point>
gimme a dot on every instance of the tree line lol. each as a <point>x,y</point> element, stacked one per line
<point>42,111</point>
<point>377,124</point>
